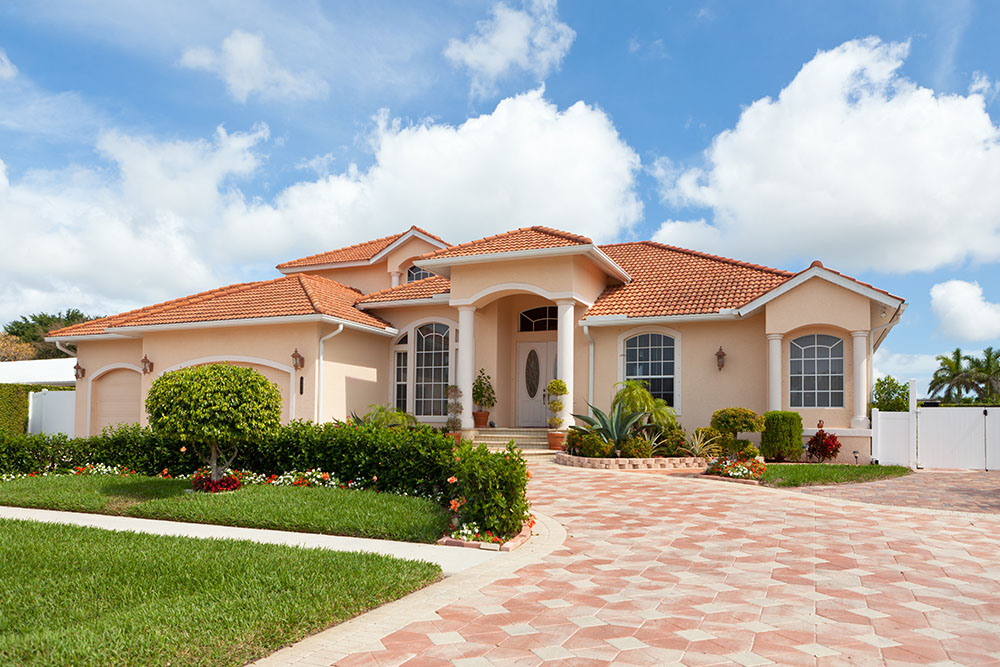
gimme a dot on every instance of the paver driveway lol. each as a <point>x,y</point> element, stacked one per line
<point>659,570</point>
<point>971,491</point>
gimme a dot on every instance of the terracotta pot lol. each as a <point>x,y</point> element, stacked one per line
<point>480,419</point>
<point>457,436</point>
<point>556,439</point>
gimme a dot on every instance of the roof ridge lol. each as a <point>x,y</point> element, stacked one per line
<point>308,292</point>
<point>427,233</point>
<point>535,228</point>
<point>698,253</point>
<point>551,231</point>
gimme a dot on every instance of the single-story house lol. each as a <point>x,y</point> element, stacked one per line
<point>398,319</point>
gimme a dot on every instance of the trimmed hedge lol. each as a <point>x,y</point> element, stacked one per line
<point>14,405</point>
<point>782,437</point>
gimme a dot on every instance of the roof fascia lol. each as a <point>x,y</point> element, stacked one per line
<point>622,320</point>
<point>256,321</point>
<point>402,303</point>
<point>442,266</point>
<point>409,234</point>
<point>84,337</point>
<point>827,275</point>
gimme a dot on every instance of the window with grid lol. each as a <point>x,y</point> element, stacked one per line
<point>416,273</point>
<point>543,318</point>
<point>816,372</point>
<point>649,358</point>
<point>401,380</point>
<point>430,384</point>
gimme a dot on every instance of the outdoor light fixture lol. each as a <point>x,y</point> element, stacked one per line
<point>856,452</point>
<point>720,358</point>
<point>298,361</point>
<point>79,371</point>
<point>147,365</point>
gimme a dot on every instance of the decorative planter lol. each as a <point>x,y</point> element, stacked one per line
<point>556,440</point>
<point>480,419</point>
<point>457,436</point>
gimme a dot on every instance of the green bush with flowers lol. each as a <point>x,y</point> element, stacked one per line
<point>488,490</point>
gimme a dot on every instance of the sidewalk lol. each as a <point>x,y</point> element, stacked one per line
<point>451,559</point>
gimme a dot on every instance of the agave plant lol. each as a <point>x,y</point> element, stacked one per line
<point>614,427</point>
<point>700,444</point>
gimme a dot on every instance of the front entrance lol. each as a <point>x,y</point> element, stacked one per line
<point>536,366</point>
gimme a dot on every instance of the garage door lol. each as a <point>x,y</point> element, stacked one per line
<point>115,399</point>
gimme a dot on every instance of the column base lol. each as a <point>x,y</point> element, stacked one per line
<point>860,422</point>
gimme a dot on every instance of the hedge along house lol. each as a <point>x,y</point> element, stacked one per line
<point>398,319</point>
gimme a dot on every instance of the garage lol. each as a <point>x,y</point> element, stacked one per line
<point>115,399</point>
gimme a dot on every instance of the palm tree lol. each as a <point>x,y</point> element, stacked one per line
<point>984,373</point>
<point>952,376</point>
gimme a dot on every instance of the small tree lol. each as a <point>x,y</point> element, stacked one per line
<point>214,409</point>
<point>890,395</point>
<point>733,421</point>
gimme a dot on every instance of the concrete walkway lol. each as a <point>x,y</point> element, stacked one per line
<point>451,559</point>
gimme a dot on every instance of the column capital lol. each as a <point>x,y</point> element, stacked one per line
<point>565,302</point>
<point>775,336</point>
<point>466,309</point>
<point>859,334</point>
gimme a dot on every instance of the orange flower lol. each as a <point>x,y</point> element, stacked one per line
<point>455,505</point>
<point>452,479</point>
<point>325,476</point>
<point>528,472</point>
<point>183,449</point>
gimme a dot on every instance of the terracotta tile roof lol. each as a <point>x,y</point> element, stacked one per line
<point>674,281</point>
<point>418,289</point>
<point>853,280</point>
<point>526,238</point>
<point>298,294</point>
<point>359,252</point>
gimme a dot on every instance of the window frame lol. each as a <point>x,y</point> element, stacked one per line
<point>678,357</point>
<point>815,375</point>
<point>409,332</point>
<point>421,270</point>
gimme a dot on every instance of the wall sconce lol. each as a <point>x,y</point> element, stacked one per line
<point>720,358</point>
<point>79,371</point>
<point>147,365</point>
<point>298,361</point>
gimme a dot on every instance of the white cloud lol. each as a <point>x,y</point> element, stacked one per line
<point>852,163</point>
<point>249,68</point>
<point>530,39</point>
<point>905,367</point>
<point>7,69</point>
<point>963,311</point>
<point>983,85</point>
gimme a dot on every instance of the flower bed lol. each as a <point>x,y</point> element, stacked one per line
<point>657,463</point>
<point>736,468</point>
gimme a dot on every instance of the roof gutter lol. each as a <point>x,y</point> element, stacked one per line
<point>255,321</point>
<point>65,350</point>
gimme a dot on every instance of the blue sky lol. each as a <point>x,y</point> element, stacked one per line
<point>152,151</point>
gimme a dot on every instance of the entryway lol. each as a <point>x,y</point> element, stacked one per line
<point>536,367</point>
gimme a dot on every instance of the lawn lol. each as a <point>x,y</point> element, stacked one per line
<point>304,509</point>
<point>808,474</point>
<point>85,596</point>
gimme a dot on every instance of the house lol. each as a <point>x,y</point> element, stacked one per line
<point>398,319</point>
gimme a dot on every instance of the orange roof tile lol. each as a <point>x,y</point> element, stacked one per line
<point>674,281</point>
<point>359,252</point>
<point>287,296</point>
<point>525,238</point>
<point>418,289</point>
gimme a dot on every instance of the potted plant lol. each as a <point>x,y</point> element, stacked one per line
<point>454,422</point>
<point>484,397</point>
<point>555,389</point>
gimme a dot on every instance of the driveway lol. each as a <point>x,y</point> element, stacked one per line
<point>977,491</point>
<point>657,570</point>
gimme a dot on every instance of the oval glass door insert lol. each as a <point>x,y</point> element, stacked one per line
<point>531,373</point>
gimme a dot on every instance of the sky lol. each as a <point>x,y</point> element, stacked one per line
<point>148,151</point>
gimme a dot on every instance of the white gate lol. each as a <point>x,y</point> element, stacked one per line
<point>51,411</point>
<point>954,437</point>
<point>894,438</point>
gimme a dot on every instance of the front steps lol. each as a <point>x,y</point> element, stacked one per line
<point>532,441</point>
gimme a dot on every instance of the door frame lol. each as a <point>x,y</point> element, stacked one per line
<point>549,345</point>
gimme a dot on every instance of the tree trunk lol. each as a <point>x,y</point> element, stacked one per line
<point>213,462</point>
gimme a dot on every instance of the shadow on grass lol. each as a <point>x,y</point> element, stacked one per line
<point>140,490</point>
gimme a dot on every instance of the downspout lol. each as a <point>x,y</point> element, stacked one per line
<point>590,366</point>
<point>319,373</point>
<point>65,350</point>
<point>893,321</point>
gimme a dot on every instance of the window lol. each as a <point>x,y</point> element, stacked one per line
<point>430,383</point>
<point>401,381</point>
<point>649,358</point>
<point>816,371</point>
<point>416,273</point>
<point>543,318</point>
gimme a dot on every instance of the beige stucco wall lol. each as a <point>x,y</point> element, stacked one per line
<point>401,258</point>
<point>818,302</point>
<point>366,279</point>
<point>356,372</point>
<point>558,277</point>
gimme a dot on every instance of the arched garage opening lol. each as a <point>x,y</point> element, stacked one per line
<point>115,398</point>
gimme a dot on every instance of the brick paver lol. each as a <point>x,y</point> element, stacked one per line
<point>658,570</point>
<point>977,491</point>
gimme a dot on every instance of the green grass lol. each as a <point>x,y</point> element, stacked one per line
<point>84,596</point>
<point>808,474</point>
<point>304,509</point>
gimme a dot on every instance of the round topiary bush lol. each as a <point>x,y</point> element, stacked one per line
<point>214,409</point>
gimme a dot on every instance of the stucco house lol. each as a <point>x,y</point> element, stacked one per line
<point>397,319</point>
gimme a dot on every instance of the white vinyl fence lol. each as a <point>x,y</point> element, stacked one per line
<point>51,411</point>
<point>962,438</point>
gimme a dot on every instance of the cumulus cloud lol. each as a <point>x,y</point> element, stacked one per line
<point>249,68</point>
<point>531,39</point>
<point>7,69</point>
<point>852,163</point>
<point>905,367</point>
<point>963,311</point>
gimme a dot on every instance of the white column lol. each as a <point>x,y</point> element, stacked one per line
<point>859,420</point>
<point>395,278</point>
<point>466,360</point>
<point>774,371</point>
<point>564,355</point>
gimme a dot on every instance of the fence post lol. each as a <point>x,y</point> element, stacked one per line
<point>914,454</point>
<point>875,435</point>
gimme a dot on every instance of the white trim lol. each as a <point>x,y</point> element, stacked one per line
<point>624,320</point>
<point>319,371</point>
<point>101,371</point>
<point>407,235</point>
<point>442,266</point>
<point>402,303</point>
<point>217,358</point>
<point>258,321</point>
<point>827,275</point>
<point>411,361</point>
<point>678,361</point>
<point>519,287</point>
<point>102,336</point>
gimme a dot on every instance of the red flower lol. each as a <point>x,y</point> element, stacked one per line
<point>452,479</point>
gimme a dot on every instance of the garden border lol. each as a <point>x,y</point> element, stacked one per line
<point>658,463</point>
<point>509,545</point>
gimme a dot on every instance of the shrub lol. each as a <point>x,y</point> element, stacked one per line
<point>616,426</point>
<point>670,442</point>
<point>580,442</point>
<point>555,389</point>
<point>733,421</point>
<point>823,446</point>
<point>489,489</point>
<point>782,437</point>
<point>890,395</point>
<point>385,415</point>
<point>637,448</point>
<point>454,422</point>
<point>214,409</point>
<point>703,443</point>
<point>635,397</point>
<point>748,451</point>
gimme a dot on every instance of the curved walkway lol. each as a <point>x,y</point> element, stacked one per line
<point>660,570</point>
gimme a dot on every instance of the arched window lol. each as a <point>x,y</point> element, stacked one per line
<point>416,273</point>
<point>816,372</point>
<point>649,357</point>
<point>430,384</point>
<point>401,354</point>
<point>543,318</point>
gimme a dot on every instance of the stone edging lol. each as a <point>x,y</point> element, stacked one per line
<point>660,463</point>
<point>752,482</point>
<point>509,545</point>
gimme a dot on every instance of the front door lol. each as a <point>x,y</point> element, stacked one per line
<point>536,366</point>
